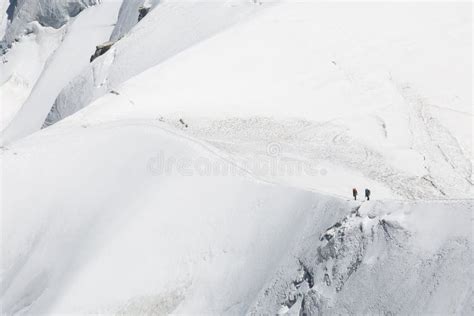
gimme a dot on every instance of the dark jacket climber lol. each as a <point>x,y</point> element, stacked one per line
<point>367,194</point>
<point>354,193</point>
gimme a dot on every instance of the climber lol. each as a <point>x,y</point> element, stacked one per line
<point>367,194</point>
<point>354,193</point>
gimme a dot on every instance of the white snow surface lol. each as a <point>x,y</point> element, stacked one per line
<point>51,13</point>
<point>204,164</point>
<point>3,17</point>
<point>21,67</point>
<point>169,28</point>
<point>112,232</point>
<point>128,16</point>
<point>364,111</point>
<point>91,27</point>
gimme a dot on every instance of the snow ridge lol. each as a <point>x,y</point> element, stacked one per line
<point>48,13</point>
<point>168,29</point>
<point>201,162</point>
<point>367,263</point>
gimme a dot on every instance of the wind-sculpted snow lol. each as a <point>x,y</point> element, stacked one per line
<point>19,71</point>
<point>34,66</point>
<point>203,164</point>
<point>76,44</point>
<point>356,111</point>
<point>53,13</point>
<point>382,258</point>
<point>171,27</point>
<point>128,16</point>
<point>174,229</point>
<point>330,146</point>
<point>109,235</point>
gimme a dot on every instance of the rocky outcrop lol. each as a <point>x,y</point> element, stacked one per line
<point>131,11</point>
<point>372,262</point>
<point>102,49</point>
<point>142,11</point>
<point>52,13</point>
<point>152,36</point>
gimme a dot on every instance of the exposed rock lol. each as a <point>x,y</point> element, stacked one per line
<point>102,49</point>
<point>142,11</point>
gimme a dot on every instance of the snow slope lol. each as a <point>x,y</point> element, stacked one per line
<point>368,112</point>
<point>22,65</point>
<point>203,165</point>
<point>30,32</point>
<point>91,27</point>
<point>4,9</point>
<point>103,207</point>
<point>49,13</point>
<point>171,27</point>
<point>128,16</point>
<point>120,234</point>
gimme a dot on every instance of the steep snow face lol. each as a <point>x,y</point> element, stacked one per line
<point>154,199</point>
<point>366,112</point>
<point>128,16</point>
<point>93,26</point>
<point>116,210</point>
<point>53,13</point>
<point>5,14</point>
<point>22,65</point>
<point>171,27</point>
<point>127,232</point>
<point>374,260</point>
<point>33,31</point>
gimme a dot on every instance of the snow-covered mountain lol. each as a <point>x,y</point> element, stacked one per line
<point>197,157</point>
